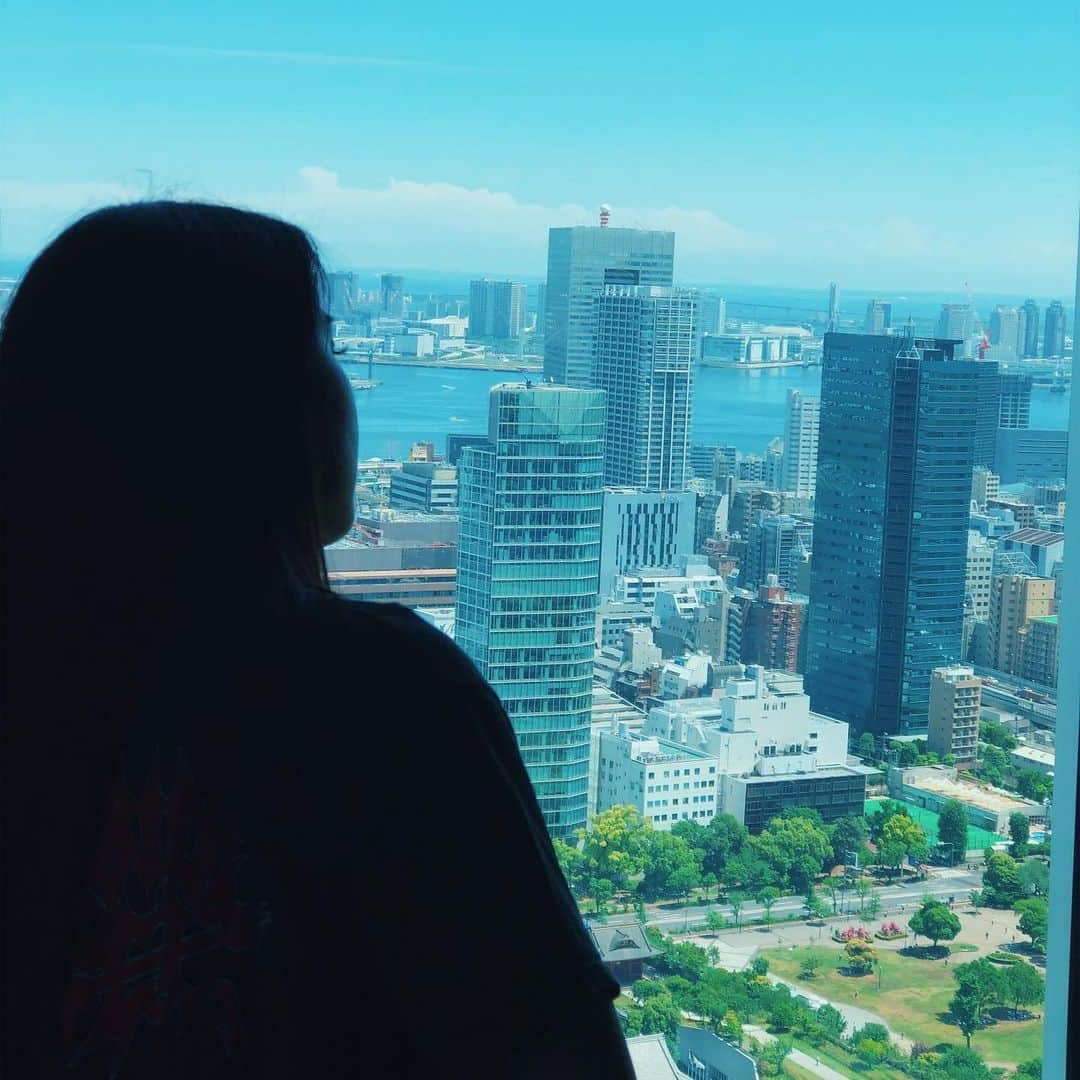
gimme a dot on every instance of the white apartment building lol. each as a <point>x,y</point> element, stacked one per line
<point>664,781</point>
<point>689,571</point>
<point>978,574</point>
<point>801,426</point>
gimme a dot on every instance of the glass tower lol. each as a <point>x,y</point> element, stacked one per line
<point>528,569</point>
<point>898,425</point>
<point>644,360</point>
<point>581,261</point>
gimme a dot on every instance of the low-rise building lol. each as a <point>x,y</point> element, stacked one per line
<point>931,786</point>
<point>429,487</point>
<point>615,616</point>
<point>1039,758</point>
<point>665,781</point>
<point>1043,547</point>
<point>643,584</point>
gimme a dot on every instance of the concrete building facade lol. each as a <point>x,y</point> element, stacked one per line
<point>954,713</point>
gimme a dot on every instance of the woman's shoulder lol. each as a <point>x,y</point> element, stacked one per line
<point>391,636</point>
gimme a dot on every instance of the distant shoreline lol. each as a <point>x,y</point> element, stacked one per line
<point>432,362</point>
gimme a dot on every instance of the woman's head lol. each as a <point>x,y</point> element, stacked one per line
<point>167,401</point>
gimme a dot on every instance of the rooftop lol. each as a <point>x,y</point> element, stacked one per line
<point>651,1058</point>
<point>1035,537</point>
<point>817,774</point>
<point>939,783</point>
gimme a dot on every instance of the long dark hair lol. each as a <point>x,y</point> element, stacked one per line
<point>156,446</point>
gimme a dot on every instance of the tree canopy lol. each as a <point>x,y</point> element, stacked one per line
<point>953,828</point>
<point>935,921</point>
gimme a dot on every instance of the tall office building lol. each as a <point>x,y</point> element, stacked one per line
<point>393,295</point>
<point>1004,331</point>
<point>1014,400</point>
<point>1028,340</point>
<point>777,544</point>
<point>496,309</point>
<point>833,322</point>
<point>988,408</point>
<point>528,566</point>
<point>341,294</point>
<point>956,322</point>
<point>541,307</point>
<point>644,530</point>
<point>802,422</point>
<point>581,260</point>
<point>644,359</point>
<point>878,317</point>
<point>1054,332</point>
<point>890,526</point>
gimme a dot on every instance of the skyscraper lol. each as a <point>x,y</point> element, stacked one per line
<point>1028,341</point>
<point>1014,400</point>
<point>644,359</point>
<point>890,526</point>
<point>956,323</point>
<point>496,309</point>
<point>1004,332</point>
<point>581,261</point>
<point>341,293</point>
<point>801,425</point>
<point>988,408</point>
<point>833,322</point>
<point>393,295</point>
<point>878,316</point>
<point>528,566</point>
<point>1054,332</point>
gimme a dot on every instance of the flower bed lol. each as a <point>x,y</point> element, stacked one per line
<point>890,932</point>
<point>851,933</point>
<point>1004,958</point>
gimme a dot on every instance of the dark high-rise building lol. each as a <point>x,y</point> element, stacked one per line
<point>393,295</point>
<point>341,294</point>
<point>895,459</point>
<point>581,261</point>
<point>1054,332</point>
<point>496,309</point>
<point>988,408</point>
<point>1014,400</point>
<point>1028,333</point>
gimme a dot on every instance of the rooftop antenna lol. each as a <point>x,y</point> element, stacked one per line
<point>605,215</point>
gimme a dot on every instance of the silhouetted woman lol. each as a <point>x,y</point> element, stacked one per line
<point>249,828</point>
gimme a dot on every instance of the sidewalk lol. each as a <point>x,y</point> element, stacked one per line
<point>800,1057</point>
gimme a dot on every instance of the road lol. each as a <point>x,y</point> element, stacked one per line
<point>942,884</point>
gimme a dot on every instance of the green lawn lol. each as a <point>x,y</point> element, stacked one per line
<point>914,995</point>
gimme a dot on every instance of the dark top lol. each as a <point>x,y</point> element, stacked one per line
<point>322,851</point>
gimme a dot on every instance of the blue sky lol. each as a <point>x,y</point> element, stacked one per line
<point>911,145</point>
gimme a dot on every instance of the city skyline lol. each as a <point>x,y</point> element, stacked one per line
<point>444,144</point>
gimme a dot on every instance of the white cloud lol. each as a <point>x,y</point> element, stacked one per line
<point>447,226</point>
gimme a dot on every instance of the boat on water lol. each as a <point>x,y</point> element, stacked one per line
<point>364,384</point>
<point>447,386</point>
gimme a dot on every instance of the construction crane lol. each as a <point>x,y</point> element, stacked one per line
<point>982,345</point>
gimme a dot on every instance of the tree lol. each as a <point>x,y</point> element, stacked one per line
<point>766,898</point>
<point>812,959</point>
<point>807,813</point>
<point>572,864</point>
<point>880,817</point>
<point>715,921</point>
<point>614,847</point>
<point>601,891</point>
<point>643,989</point>
<point>724,838</point>
<point>953,829</point>
<point>831,886</point>
<point>831,1020</point>
<point>861,956</point>
<point>981,980</point>
<point>1034,919</point>
<point>995,734</point>
<point>795,848</point>
<point>966,1009</point>
<point>958,1063</point>
<point>901,838</point>
<point>661,1015</point>
<point>670,866</point>
<point>730,1028</point>
<point>1033,785</point>
<point>1019,831</point>
<point>709,881</point>
<point>863,888</point>
<point>749,870</point>
<point>935,921</point>
<point>1034,877</point>
<point>1022,985</point>
<point>848,834</point>
<point>873,906</point>
<point>1001,881</point>
<point>735,902</point>
<point>867,746</point>
<point>1030,1070</point>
